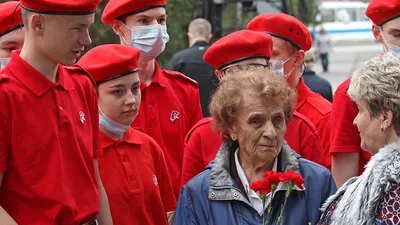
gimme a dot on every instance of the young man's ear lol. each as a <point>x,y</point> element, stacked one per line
<point>37,23</point>
<point>117,27</point>
<point>376,31</point>
<point>299,58</point>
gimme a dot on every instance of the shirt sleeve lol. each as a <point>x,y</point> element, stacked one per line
<point>324,130</point>
<point>197,113</point>
<point>165,184</point>
<point>312,149</point>
<point>192,158</point>
<point>344,135</point>
<point>5,142</point>
<point>94,114</point>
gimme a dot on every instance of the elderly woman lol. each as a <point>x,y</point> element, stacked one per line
<point>373,197</point>
<point>251,108</point>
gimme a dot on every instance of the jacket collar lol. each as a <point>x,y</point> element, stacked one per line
<point>223,180</point>
<point>303,92</point>
<point>130,136</point>
<point>33,79</point>
<point>200,44</point>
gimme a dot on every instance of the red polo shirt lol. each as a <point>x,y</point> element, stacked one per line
<point>48,141</point>
<point>344,135</point>
<point>136,179</point>
<point>170,107</point>
<point>318,110</point>
<point>203,143</point>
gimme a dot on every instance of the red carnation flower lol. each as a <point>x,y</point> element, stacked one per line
<point>294,177</point>
<point>263,186</point>
<point>272,177</point>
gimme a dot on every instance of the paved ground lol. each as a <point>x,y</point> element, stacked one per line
<point>344,59</point>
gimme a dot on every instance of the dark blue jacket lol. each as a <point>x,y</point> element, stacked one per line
<point>216,196</point>
<point>318,84</point>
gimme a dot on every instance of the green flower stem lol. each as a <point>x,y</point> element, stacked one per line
<point>269,210</point>
<point>289,190</point>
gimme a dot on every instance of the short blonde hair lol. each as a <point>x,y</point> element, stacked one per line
<point>227,100</point>
<point>377,83</point>
<point>200,28</point>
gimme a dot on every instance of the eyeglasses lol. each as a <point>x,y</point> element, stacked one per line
<point>245,67</point>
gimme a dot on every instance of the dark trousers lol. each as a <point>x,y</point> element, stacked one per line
<point>324,61</point>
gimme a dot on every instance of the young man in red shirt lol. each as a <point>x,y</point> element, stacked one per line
<point>132,166</point>
<point>11,32</point>
<point>348,159</point>
<point>291,40</point>
<point>243,48</point>
<point>170,100</point>
<point>49,122</point>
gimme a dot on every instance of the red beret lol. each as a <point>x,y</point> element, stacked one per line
<point>381,11</point>
<point>111,61</point>
<point>117,8</point>
<point>238,46</point>
<point>61,7</point>
<point>283,26</point>
<point>10,18</point>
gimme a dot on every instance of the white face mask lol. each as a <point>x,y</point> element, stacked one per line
<point>278,67</point>
<point>4,62</point>
<point>151,40</point>
<point>392,49</point>
<point>112,126</point>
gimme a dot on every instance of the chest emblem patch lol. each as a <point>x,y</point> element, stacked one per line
<point>155,180</point>
<point>174,116</point>
<point>82,117</point>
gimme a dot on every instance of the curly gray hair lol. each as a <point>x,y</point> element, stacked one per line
<point>377,82</point>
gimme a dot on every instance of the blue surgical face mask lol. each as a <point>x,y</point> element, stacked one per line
<point>278,67</point>
<point>392,49</point>
<point>4,62</point>
<point>151,40</point>
<point>112,126</point>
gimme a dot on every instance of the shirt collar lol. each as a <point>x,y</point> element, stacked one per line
<point>33,79</point>
<point>159,76</point>
<point>303,92</point>
<point>242,175</point>
<point>131,136</point>
<point>200,43</point>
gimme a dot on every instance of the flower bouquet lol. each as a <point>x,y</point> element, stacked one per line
<point>270,184</point>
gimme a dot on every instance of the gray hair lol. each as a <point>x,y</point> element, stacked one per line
<point>200,28</point>
<point>377,83</point>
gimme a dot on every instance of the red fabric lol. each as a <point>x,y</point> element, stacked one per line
<point>75,6</point>
<point>345,137</point>
<point>381,11</point>
<point>9,19</point>
<point>48,142</point>
<point>283,26</point>
<point>170,107</point>
<point>203,143</point>
<point>107,61</point>
<point>117,8</point>
<point>238,45</point>
<point>318,110</point>
<point>136,179</point>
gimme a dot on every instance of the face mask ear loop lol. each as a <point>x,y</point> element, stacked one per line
<point>123,38</point>
<point>384,40</point>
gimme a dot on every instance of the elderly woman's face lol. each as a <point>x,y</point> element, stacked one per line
<point>259,127</point>
<point>372,139</point>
